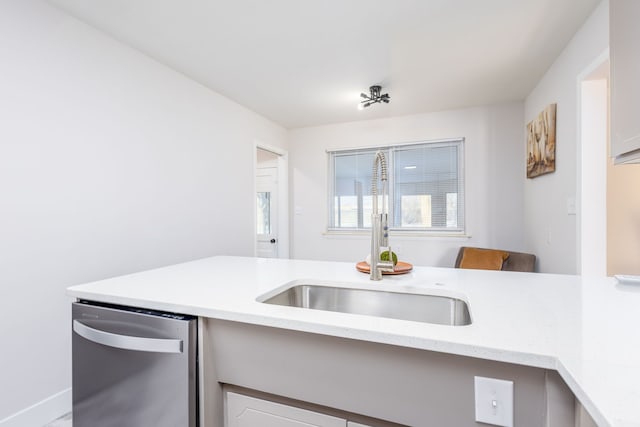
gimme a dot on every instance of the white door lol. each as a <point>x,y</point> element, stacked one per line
<point>267,212</point>
<point>245,411</point>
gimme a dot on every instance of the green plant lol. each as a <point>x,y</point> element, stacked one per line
<point>384,256</point>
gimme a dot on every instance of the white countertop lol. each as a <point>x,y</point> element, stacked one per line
<point>588,329</point>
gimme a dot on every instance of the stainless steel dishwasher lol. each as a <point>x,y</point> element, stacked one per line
<point>133,367</point>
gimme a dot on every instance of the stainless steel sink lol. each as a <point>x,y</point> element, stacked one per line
<point>438,309</point>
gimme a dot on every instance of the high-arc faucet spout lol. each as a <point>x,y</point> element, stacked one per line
<point>379,220</point>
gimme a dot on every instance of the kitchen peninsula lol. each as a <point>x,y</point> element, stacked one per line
<point>582,329</point>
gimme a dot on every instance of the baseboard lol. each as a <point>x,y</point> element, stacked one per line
<point>42,412</point>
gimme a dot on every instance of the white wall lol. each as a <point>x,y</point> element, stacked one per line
<point>550,232</point>
<point>494,167</point>
<point>109,163</point>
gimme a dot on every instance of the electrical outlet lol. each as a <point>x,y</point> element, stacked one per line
<point>494,401</point>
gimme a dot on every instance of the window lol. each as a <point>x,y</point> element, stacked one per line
<point>426,187</point>
<point>263,203</point>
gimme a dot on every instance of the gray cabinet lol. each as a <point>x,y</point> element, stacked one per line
<point>625,81</point>
<point>246,411</point>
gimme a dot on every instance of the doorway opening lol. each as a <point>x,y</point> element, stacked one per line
<point>593,109</point>
<point>271,203</point>
<point>608,242</point>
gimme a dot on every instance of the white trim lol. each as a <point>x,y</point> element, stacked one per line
<point>41,413</point>
<point>397,235</point>
<point>397,144</point>
<point>283,206</point>
<point>270,148</point>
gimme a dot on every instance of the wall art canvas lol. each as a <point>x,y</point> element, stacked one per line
<point>541,143</point>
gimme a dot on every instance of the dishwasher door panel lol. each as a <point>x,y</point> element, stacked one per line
<point>132,369</point>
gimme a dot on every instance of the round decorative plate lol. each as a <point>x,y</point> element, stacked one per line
<point>400,268</point>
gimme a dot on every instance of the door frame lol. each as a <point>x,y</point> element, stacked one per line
<point>591,169</point>
<point>283,197</point>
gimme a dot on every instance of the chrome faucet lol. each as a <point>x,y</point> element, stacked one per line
<point>379,221</point>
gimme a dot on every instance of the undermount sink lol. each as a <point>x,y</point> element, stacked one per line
<point>437,309</point>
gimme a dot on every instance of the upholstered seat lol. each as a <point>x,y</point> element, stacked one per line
<point>494,259</point>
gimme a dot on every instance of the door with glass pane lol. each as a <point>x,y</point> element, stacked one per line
<point>266,212</point>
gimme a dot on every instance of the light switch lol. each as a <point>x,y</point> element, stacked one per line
<point>494,401</point>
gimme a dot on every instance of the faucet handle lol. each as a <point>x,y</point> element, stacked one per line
<point>386,266</point>
<point>385,230</point>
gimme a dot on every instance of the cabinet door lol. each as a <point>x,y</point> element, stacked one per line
<point>245,411</point>
<point>625,84</point>
<point>352,424</point>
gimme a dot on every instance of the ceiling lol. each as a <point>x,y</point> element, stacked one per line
<point>305,62</point>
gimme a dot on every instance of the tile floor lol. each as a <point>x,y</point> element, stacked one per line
<point>64,421</point>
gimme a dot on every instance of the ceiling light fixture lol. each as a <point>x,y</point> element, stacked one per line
<point>374,98</point>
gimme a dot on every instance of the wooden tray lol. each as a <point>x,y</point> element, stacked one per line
<point>400,268</point>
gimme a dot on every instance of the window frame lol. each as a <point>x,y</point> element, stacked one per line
<point>390,151</point>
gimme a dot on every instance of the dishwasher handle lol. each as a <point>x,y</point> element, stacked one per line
<point>126,342</point>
